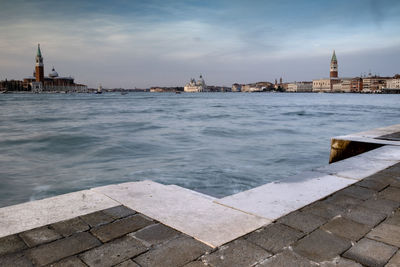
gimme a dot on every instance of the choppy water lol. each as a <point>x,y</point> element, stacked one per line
<point>215,143</point>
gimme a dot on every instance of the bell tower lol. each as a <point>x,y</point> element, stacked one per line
<point>39,71</point>
<point>334,66</point>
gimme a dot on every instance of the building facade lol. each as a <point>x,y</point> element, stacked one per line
<point>374,84</point>
<point>393,83</point>
<point>196,86</point>
<point>300,87</point>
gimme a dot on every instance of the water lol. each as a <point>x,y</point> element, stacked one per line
<point>215,143</point>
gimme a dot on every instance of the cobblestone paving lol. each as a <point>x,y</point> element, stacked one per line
<point>357,226</point>
<point>113,237</point>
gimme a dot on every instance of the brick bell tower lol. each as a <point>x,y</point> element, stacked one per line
<point>334,66</point>
<point>39,71</point>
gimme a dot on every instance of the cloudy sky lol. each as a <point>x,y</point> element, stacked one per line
<point>128,43</point>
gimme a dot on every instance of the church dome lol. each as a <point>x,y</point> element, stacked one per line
<point>201,81</point>
<point>53,73</point>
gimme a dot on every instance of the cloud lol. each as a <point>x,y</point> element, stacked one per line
<point>142,43</point>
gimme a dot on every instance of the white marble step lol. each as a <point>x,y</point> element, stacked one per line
<point>185,211</point>
<point>276,199</point>
<point>364,165</point>
<point>29,215</point>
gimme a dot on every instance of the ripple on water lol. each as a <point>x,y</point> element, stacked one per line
<point>218,144</point>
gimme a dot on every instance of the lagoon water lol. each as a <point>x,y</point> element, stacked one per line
<point>214,143</point>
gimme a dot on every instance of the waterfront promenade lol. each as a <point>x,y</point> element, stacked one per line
<point>343,214</point>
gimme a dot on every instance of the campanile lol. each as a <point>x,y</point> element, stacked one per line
<point>39,71</point>
<point>334,66</point>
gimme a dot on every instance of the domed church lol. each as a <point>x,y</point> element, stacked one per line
<point>193,86</point>
<point>53,82</point>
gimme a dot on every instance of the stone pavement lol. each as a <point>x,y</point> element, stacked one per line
<point>356,226</point>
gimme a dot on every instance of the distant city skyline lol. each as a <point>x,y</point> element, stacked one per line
<point>165,43</point>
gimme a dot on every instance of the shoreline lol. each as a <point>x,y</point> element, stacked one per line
<point>216,225</point>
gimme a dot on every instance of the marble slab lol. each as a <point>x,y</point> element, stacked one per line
<point>194,215</point>
<point>388,152</point>
<point>371,140</point>
<point>193,192</point>
<point>373,133</point>
<point>363,165</point>
<point>276,199</point>
<point>371,136</point>
<point>29,215</point>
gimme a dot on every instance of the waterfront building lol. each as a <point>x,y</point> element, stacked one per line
<point>356,85</point>
<point>196,86</point>
<point>158,89</point>
<point>322,85</point>
<point>248,88</point>
<point>393,83</point>
<point>327,84</point>
<point>299,87</point>
<point>343,86</point>
<point>11,85</point>
<point>374,84</point>
<point>236,87</point>
<point>392,86</point>
<point>53,82</point>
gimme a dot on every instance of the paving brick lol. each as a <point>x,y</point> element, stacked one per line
<point>381,176</point>
<point>10,244</point>
<point>391,179</point>
<point>62,248</point>
<point>121,227</point>
<point>237,253</point>
<point>97,218</point>
<point>364,215</point>
<point>382,205</point>
<point>274,237</point>
<point>392,170</point>
<point>195,264</point>
<point>376,185</point>
<point>176,252</point>
<point>113,252</point>
<point>324,209</point>
<point>346,228</point>
<point>358,192</point>
<point>155,234</point>
<point>370,252</point>
<point>394,219</point>
<point>119,212</point>
<point>343,201</point>
<point>287,259</point>
<point>70,227</point>
<point>69,262</point>
<point>127,263</point>
<point>39,236</point>
<point>303,221</point>
<point>340,262</point>
<point>392,193</point>
<point>395,260</point>
<point>395,182</point>
<point>387,233</point>
<point>321,246</point>
<point>16,259</point>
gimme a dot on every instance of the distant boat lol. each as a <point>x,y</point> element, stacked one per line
<point>99,90</point>
<point>178,92</point>
<point>124,93</point>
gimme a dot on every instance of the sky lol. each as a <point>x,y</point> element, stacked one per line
<point>128,43</point>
